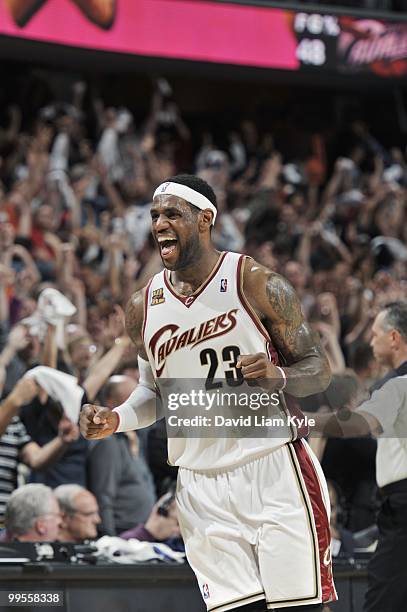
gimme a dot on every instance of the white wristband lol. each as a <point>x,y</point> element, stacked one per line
<point>284,375</point>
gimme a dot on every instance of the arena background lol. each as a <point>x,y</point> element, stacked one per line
<point>303,86</point>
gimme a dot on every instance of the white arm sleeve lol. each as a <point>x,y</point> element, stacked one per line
<point>140,408</point>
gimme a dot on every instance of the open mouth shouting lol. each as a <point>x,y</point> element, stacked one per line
<point>167,246</point>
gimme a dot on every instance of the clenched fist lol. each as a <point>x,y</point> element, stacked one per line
<point>259,367</point>
<point>96,422</point>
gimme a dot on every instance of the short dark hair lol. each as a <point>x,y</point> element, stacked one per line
<point>195,183</point>
<point>342,388</point>
<point>128,364</point>
<point>362,357</point>
<point>396,317</point>
<point>111,387</point>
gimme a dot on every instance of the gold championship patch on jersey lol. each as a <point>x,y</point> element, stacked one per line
<point>157,297</point>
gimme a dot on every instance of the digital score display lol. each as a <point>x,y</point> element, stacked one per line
<point>214,32</point>
<point>350,45</point>
<point>317,36</point>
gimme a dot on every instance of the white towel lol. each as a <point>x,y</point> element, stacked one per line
<point>61,387</point>
<point>53,308</point>
<point>134,551</point>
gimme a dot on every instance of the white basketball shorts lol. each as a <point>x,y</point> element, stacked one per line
<point>259,531</point>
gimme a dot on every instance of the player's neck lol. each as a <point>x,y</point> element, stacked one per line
<point>193,276</point>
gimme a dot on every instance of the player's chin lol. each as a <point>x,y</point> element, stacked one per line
<point>170,261</point>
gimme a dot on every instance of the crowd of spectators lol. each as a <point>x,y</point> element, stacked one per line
<point>75,244</point>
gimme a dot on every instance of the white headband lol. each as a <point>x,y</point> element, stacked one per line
<point>186,193</point>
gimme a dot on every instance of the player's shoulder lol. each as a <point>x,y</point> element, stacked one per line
<point>136,300</point>
<point>135,309</point>
<point>256,276</point>
<point>266,288</point>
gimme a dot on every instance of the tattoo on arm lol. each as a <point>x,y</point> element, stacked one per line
<point>296,342</point>
<point>288,319</point>
<point>134,321</point>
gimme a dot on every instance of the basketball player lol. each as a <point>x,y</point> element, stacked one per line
<point>253,512</point>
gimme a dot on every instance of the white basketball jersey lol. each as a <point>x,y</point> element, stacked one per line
<point>201,337</point>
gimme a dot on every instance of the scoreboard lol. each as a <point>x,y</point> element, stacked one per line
<point>350,45</point>
<point>317,37</point>
<point>225,33</point>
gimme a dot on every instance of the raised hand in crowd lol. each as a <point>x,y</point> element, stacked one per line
<point>7,275</point>
<point>7,237</point>
<point>67,430</point>
<point>18,338</point>
<point>329,311</point>
<point>113,326</point>
<point>24,391</point>
<point>330,342</point>
<point>105,366</point>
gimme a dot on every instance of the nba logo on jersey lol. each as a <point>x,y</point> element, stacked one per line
<point>223,285</point>
<point>205,591</point>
